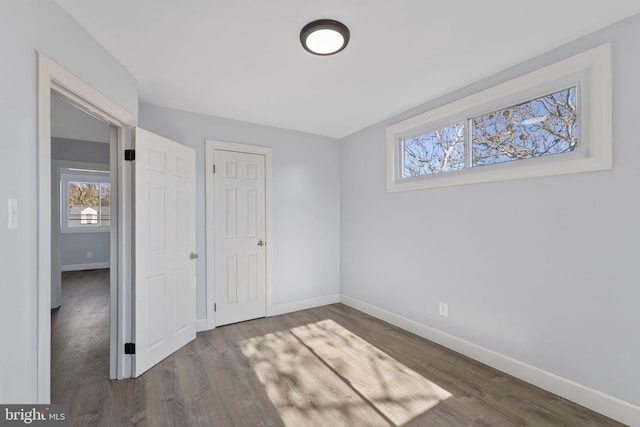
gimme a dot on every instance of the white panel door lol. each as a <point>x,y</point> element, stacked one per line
<point>239,256</point>
<point>164,241</point>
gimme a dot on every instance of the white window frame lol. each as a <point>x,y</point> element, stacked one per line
<point>68,175</point>
<point>590,71</point>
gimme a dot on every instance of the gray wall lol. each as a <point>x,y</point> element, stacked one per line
<point>74,247</point>
<point>27,26</point>
<point>542,270</point>
<point>306,199</point>
<point>69,122</point>
<point>79,151</point>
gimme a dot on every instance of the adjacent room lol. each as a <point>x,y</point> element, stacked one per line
<point>359,213</point>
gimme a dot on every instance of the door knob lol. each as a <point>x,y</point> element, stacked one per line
<point>261,243</point>
<point>193,256</point>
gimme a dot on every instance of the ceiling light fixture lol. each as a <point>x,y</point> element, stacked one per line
<point>324,37</point>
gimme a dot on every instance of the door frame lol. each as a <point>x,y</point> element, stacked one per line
<point>211,146</point>
<point>53,77</point>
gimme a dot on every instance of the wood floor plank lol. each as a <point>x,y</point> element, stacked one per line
<point>305,391</point>
<point>325,366</point>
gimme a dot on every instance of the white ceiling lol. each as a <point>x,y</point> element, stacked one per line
<point>242,59</point>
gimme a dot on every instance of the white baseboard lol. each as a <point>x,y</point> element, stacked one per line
<point>290,307</point>
<point>609,406</point>
<point>201,325</point>
<point>92,266</point>
<point>277,309</point>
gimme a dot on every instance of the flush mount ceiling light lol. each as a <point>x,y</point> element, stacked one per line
<point>324,37</point>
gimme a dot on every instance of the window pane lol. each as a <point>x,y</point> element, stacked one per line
<point>105,205</point>
<point>439,151</point>
<point>541,127</point>
<point>84,204</point>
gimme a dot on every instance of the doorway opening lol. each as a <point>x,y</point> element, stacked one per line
<point>81,234</point>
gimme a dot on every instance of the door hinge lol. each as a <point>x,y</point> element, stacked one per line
<point>214,168</point>
<point>130,348</point>
<point>130,155</point>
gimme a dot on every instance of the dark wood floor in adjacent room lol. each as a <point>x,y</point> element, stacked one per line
<point>327,366</point>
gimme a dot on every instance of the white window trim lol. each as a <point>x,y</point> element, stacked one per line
<point>590,71</point>
<point>68,175</point>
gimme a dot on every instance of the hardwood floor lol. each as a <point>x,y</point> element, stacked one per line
<point>327,366</point>
<point>80,335</point>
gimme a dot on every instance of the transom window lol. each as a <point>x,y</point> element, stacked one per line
<point>86,200</point>
<point>540,127</point>
<point>552,121</point>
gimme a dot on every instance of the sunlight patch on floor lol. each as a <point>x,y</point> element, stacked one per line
<point>322,374</point>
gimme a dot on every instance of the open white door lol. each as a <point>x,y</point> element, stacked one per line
<point>164,244</point>
<point>239,256</point>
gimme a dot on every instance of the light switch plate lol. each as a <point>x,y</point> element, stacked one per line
<point>13,214</point>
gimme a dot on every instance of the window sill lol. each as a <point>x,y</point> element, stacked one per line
<point>85,230</point>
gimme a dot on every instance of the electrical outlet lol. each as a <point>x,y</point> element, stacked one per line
<point>444,309</point>
<point>89,255</point>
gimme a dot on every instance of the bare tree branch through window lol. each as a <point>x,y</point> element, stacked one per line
<point>540,127</point>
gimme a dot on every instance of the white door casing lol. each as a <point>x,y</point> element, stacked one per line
<point>54,78</point>
<point>165,239</point>
<point>240,236</point>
